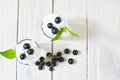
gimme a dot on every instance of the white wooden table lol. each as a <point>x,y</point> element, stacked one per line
<point>96,21</point>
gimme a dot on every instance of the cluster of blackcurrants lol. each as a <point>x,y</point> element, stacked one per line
<point>51,26</point>
<point>51,60</point>
<point>30,51</point>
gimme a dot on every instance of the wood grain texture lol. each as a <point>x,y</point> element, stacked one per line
<point>31,13</point>
<point>104,39</point>
<point>8,29</point>
<point>74,11</point>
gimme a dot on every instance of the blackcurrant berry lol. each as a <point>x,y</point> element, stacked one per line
<point>37,63</point>
<point>70,61</point>
<point>26,46</point>
<point>51,68</point>
<point>48,54</point>
<point>66,51</point>
<point>48,64</point>
<point>40,67</point>
<point>61,59</point>
<point>54,59</point>
<point>54,30</point>
<point>75,52</point>
<point>50,25</point>
<point>30,51</point>
<point>57,20</point>
<point>41,58</point>
<point>22,56</point>
<point>53,64</point>
<point>59,53</point>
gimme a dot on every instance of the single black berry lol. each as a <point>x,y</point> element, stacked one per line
<point>50,25</point>
<point>48,64</point>
<point>57,20</point>
<point>51,68</point>
<point>37,63</point>
<point>54,30</point>
<point>59,53</point>
<point>30,51</point>
<point>54,59</point>
<point>40,67</point>
<point>41,58</point>
<point>70,61</point>
<point>26,46</point>
<point>61,59</point>
<point>54,64</point>
<point>75,52</point>
<point>22,56</point>
<point>48,54</point>
<point>66,51</point>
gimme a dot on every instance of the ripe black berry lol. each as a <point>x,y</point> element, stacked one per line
<point>37,63</point>
<point>41,58</point>
<point>70,61</point>
<point>66,51</point>
<point>22,56</point>
<point>75,52</point>
<point>60,59</point>
<point>40,67</point>
<point>48,64</point>
<point>26,46</point>
<point>50,25</point>
<point>57,20</point>
<point>30,51</point>
<point>48,54</point>
<point>59,54</point>
<point>54,30</point>
<point>51,68</point>
<point>54,59</point>
<point>53,64</point>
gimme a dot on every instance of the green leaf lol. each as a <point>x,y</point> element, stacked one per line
<point>10,54</point>
<point>71,33</point>
<point>58,35</point>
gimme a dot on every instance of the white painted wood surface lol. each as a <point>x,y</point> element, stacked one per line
<point>31,13</point>
<point>8,29</point>
<point>104,39</point>
<point>99,19</point>
<point>76,18</point>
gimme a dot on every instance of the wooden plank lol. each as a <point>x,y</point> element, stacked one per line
<point>74,11</point>
<point>104,39</point>
<point>8,27</point>
<point>30,19</point>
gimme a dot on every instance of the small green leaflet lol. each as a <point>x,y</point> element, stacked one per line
<point>10,54</point>
<point>64,29</point>
<point>70,32</point>
<point>58,35</point>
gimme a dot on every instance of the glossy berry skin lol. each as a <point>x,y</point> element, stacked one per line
<point>30,51</point>
<point>37,63</point>
<point>41,58</point>
<point>48,54</point>
<point>51,68</point>
<point>66,51</point>
<point>61,59</point>
<point>54,30</point>
<point>57,20</point>
<point>59,54</point>
<point>26,46</point>
<point>70,61</point>
<point>22,56</point>
<point>75,52</point>
<point>50,25</point>
<point>48,64</point>
<point>40,67</point>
